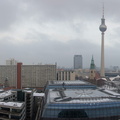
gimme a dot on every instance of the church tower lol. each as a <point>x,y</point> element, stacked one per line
<point>92,70</point>
<point>102,28</point>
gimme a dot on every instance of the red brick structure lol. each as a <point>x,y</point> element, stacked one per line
<point>19,68</point>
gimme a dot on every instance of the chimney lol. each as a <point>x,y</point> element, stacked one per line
<point>19,68</point>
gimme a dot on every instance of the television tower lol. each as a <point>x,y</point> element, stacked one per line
<point>102,28</point>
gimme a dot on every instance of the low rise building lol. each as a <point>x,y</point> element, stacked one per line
<point>12,111</point>
<point>79,100</point>
<point>8,96</point>
<point>65,74</point>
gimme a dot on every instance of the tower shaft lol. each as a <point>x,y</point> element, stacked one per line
<point>102,72</point>
<point>102,28</point>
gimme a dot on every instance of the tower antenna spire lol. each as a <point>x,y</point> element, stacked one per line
<point>103,9</point>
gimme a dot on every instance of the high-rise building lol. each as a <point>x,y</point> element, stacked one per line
<point>28,75</point>
<point>102,28</point>
<point>78,62</point>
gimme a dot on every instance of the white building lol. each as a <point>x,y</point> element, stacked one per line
<point>65,74</point>
<point>11,62</point>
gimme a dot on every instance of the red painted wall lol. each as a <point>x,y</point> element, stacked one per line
<point>19,68</point>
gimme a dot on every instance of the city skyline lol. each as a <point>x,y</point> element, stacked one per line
<point>47,31</point>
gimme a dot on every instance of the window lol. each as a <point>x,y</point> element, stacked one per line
<point>72,114</point>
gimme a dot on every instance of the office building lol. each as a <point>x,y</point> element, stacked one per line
<point>10,108</point>
<point>29,102</point>
<point>79,100</point>
<point>31,75</point>
<point>12,111</point>
<point>65,74</point>
<point>78,62</point>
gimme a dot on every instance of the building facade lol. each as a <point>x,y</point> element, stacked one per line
<point>78,62</point>
<point>92,69</point>
<point>12,111</point>
<point>31,75</point>
<point>65,74</point>
<point>73,100</point>
<point>11,62</point>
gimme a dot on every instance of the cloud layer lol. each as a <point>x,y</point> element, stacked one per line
<point>49,31</point>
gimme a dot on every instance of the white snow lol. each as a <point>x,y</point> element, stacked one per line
<point>11,104</point>
<point>39,94</point>
<point>5,93</point>
<point>111,92</point>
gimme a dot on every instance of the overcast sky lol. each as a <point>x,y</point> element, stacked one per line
<point>49,31</point>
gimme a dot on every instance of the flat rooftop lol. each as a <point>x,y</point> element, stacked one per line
<point>81,96</point>
<point>12,104</point>
<point>5,93</point>
<point>70,82</point>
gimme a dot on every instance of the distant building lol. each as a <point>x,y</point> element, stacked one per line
<point>78,62</point>
<point>65,74</point>
<point>92,70</point>
<point>11,62</point>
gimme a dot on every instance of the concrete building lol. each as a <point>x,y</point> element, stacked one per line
<point>65,74</point>
<point>7,96</point>
<point>29,102</point>
<point>78,62</point>
<point>12,111</point>
<point>10,108</point>
<point>37,75</point>
<point>11,62</point>
<point>31,75</point>
<point>19,104</point>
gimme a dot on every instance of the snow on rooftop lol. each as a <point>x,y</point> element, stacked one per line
<point>39,94</point>
<point>112,92</point>
<point>112,78</point>
<point>85,101</point>
<point>11,104</point>
<point>73,82</point>
<point>81,96</point>
<point>5,93</point>
<point>1,90</point>
<point>102,79</point>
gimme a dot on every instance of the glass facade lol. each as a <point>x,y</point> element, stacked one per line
<point>84,102</point>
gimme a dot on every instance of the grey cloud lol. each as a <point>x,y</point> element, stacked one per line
<point>8,13</point>
<point>45,49</point>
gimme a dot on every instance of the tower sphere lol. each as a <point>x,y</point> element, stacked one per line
<point>103,27</point>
